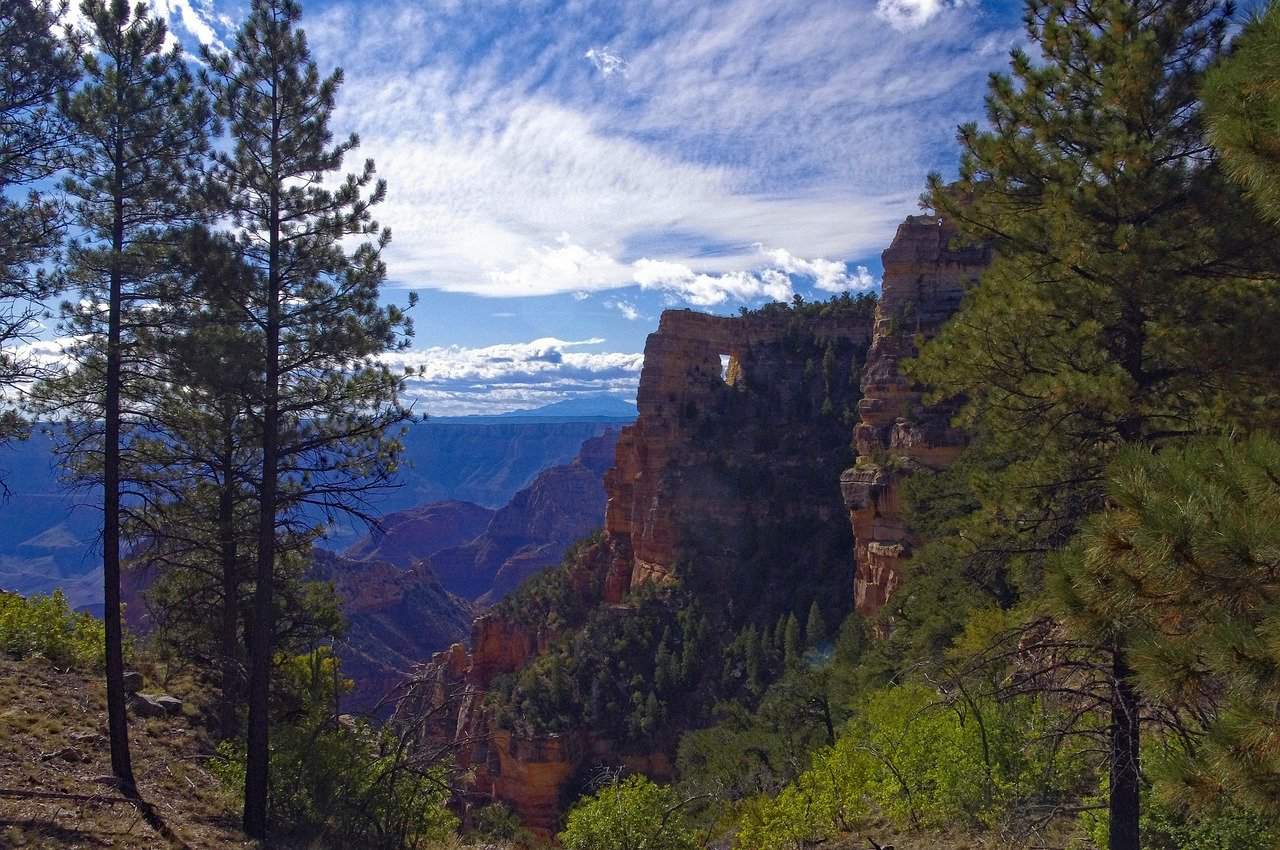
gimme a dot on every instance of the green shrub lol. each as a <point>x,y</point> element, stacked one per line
<point>46,626</point>
<point>919,759</point>
<point>634,814</point>
<point>340,785</point>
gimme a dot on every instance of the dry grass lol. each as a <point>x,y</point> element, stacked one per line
<point>44,710</point>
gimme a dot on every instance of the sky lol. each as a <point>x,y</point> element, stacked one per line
<point>561,171</point>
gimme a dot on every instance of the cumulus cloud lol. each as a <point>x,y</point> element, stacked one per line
<point>458,380</point>
<point>607,62</point>
<point>827,275</point>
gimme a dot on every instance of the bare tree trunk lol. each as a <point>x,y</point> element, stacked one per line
<point>227,720</point>
<point>257,766</point>
<point>117,716</point>
<point>1125,770</point>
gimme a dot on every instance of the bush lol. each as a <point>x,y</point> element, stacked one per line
<point>349,785</point>
<point>920,760</point>
<point>46,626</point>
<point>634,814</point>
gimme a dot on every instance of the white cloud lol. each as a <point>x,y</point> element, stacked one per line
<point>628,310</point>
<point>607,62</point>
<point>457,380</point>
<point>910,14</point>
<point>827,275</point>
<point>740,124</point>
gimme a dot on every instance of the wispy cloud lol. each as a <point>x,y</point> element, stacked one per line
<point>607,62</point>
<point>512,171</point>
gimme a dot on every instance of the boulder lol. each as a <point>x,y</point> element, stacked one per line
<point>132,681</point>
<point>156,705</point>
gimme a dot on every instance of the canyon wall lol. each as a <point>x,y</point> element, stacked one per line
<point>725,481</point>
<point>925,277</point>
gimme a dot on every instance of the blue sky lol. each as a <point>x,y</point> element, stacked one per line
<point>560,171</point>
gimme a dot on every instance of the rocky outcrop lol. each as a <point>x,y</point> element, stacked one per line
<point>724,479</point>
<point>412,535</point>
<point>395,620</point>
<point>925,277</point>
<point>750,380</point>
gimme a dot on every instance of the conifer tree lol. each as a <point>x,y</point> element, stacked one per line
<point>792,641</point>
<point>1242,99</point>
<point>815,632</point>
<point>1116,236</point>
<point>34,144</point>
<point>1184,561</point>
<point>140,129</point>
<point>326,401</point>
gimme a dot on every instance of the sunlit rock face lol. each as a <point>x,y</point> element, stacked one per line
<point>926,274</point>
<point>721,391</point>
<point>725,481</point>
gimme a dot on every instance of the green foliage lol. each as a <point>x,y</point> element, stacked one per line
<point>46,626</point>
<point>1183,563</point>
<point>342,784</point>
<point>1224,825</point>
<point>496,822</point>
<point>1242,99</point>
<point>634,814</point>
<point>922,759</point>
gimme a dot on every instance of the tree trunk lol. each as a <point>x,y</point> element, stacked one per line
<point>117,716</point>
<point>228,724</point>
<point>257,766</point>
<point>1125,770</point>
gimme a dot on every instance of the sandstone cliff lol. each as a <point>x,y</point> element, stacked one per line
<point>724,485</point>
<point>925,276</point>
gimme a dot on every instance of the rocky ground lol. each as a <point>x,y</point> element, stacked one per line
<point>52,742</point>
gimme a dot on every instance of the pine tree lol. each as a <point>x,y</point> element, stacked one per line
<point>792,642</point>
<point>199,464</point>
<point>1242,99</point>
<point>1182,564</point>
<point>34,145</point>
<point>815,632</point>
<point>140,129</point>
<point>1115,235</point>
<point>326,400</point>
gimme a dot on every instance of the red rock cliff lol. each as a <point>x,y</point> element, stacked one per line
<point>925,277</point>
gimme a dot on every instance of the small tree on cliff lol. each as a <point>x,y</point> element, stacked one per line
<point>1126,278</point>
<point>326,401</point>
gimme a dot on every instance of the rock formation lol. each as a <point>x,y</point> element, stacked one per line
<point>725,478</point>
<point>533,531</point>
<point>925,277</point>
<point>395,619</point>
<point>412,535</point>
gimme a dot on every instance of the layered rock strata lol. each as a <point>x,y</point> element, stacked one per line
<point>926,274</point>
<point>724,479</point>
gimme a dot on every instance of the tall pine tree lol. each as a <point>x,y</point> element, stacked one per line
<point>1127,283</point>
<point>140,129</point>
<point>326,402</point>
<point>38,70</point>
